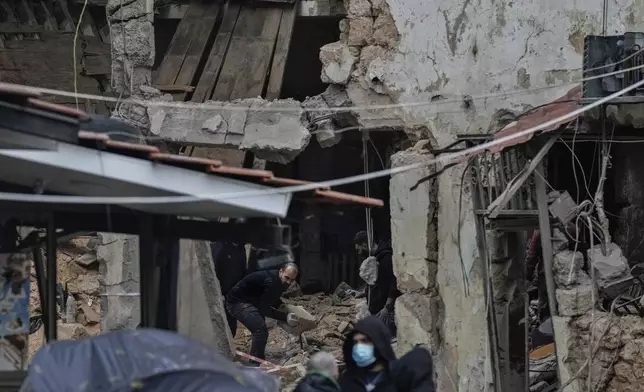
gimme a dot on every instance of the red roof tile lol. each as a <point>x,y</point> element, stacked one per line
<point>142,151</point>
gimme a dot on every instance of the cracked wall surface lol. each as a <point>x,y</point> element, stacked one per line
<point>447,54</point>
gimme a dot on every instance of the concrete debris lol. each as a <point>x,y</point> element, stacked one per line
<point>334,318</point>
<point>250,124</point>
<point>559,240</point>
<point>272,135</point>
<point>337,63</point>
<point>612,266</point>
<point>562,263</point>
<point>360,31</point>
<point>577,299</point>
<point>617,365</point>
<point>81,280</point>
<point>321,122</point>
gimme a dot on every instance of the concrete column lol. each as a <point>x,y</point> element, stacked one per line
<point>413,233</point>
<point>200,310</point>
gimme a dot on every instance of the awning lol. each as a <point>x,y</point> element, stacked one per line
<point>64,160</point>
<point>550,111</point>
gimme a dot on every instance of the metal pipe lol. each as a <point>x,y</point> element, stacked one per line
<point>41,280</point>
<point>52,278</point>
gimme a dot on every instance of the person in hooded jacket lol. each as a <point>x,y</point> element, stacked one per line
<point>369,357</point>
<point>383,294</point>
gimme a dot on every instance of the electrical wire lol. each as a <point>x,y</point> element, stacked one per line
<point>76,33</point>
<point>243,108</point>
<point>461,155</point>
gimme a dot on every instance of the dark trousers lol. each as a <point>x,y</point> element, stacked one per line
<point>251,318</point>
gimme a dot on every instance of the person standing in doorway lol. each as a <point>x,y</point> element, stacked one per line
<point>383,293</point>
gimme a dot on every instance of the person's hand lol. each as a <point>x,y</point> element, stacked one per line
<point>292,320</point>
<point>386,315</point>
<point>390,304</point>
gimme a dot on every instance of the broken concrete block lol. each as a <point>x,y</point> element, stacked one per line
<point>609,267</point>
<point>337,63</point>
<point>385,32</point>
<point>307,320</point>
<point>276,135</point>
<point>87,259</point>
<point>321,122</point>
<point>360,31</point>
<point>578,299</point>
<point>362,310</point>
<point>559,240</point>
<point>200,313</point>
<point>358,8</point>
<point>343,326</point>
<point>566,267</point>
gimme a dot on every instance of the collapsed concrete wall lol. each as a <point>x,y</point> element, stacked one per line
<point>273,130</point>
<point>446,53</point>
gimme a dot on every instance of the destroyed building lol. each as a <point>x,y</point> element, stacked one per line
<point>456,68</point>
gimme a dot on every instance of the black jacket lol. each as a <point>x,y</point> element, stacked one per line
<point>317,382</point>
<point>414,371</point>
<point>386,284</point>
<point>261,289</point>
<point>230,263</point>
<point>353,379</point>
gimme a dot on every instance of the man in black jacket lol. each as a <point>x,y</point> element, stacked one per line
<point>383,294</point>
<point>257,296</point>
<point>369,358</point>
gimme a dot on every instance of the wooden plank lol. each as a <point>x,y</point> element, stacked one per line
<point>19,28</point>
<point>68,22</point>
<point>281,54</point>
<point>546,240</point>
<point>246,66</point>
<point>179,46</point>
<point>204,29</point>
<point>50,20</point>
<point>517,182</point>
<point>210,74</point>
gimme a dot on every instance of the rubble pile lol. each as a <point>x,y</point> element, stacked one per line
<point>78,271</point>
<point>335,314</point>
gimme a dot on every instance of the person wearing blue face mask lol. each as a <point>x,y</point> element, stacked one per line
<point>368,356</point>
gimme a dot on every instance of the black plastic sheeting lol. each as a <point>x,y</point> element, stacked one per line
<point>143,360</point>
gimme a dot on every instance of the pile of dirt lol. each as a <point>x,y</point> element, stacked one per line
<point>78,271</point>
<point>335,318</point>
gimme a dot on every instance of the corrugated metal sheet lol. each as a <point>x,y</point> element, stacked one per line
<point>564,105</point>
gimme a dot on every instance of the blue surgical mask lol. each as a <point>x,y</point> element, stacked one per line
<point>363,354</point>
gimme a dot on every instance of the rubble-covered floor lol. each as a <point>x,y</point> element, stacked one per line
<point>78,268</point>
<point>335,317</point>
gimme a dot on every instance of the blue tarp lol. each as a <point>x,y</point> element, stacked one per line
<point>142,360</point>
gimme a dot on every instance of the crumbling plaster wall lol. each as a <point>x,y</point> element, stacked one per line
<point>397,51</point>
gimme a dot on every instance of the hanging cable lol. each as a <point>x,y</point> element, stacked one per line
<point>365,163</point>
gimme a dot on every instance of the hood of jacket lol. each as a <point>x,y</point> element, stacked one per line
<point>383,249</point>
<point>377,332</point>
<point>414,371</point>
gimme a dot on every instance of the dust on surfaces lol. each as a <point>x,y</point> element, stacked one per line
<point>335,317</point>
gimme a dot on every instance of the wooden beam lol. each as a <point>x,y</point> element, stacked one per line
<point>280,54</point>
<point>210,74</point>
<point>517,182</point>
<point>546,234</point>
<point>19,28</point>
<point>248,59</point>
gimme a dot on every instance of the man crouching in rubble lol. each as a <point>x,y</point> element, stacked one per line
<point>257,296</point>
